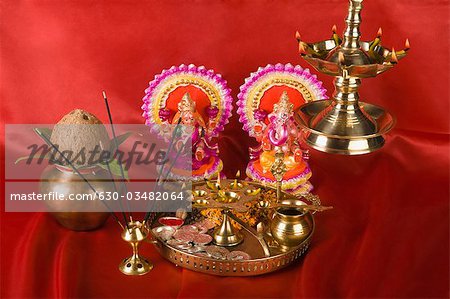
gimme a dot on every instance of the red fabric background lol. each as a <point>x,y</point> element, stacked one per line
<point>388,235</point>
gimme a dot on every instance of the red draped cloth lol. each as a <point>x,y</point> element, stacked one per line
<point>388,235</point>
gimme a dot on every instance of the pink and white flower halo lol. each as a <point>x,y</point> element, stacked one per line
<point>185,75</point>
<point>270,76</point>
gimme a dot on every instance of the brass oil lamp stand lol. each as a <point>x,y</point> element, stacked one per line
<point>344,125</point>
<point>226,234</point>
<point>227,196</point>
<point>135,264</point>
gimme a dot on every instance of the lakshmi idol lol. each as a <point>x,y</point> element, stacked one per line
<point>198,100</point>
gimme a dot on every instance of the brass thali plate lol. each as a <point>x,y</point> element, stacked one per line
<point>258,263</point>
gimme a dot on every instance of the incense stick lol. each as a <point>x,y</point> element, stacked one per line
<point>174,133</point>
<point>117,146</point>
<point>115,189</point>
<point>169,149</point>
<point>174,161</point>
<point>79,173</point>
<point>160,183</point>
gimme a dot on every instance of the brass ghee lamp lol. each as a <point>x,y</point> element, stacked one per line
<point>344,125</point>
<point>226,234</point>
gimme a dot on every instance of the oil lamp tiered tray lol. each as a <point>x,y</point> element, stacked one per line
<point>263,252</point>
<point>344,125</point>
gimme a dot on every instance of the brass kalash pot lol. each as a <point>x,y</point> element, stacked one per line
<point>344,125</point>
<point>290,226</point>
<point>76,132</point>
<point>290,222</point>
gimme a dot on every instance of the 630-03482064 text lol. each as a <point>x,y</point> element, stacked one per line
<point>107,196</point>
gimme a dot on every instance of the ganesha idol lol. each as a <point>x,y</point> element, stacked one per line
<point>199,101</point>
<point>266,105</point>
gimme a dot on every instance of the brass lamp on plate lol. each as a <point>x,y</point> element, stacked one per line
<point>344,125</point>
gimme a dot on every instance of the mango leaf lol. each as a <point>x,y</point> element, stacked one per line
<point>46,157</point>
<point>44,131</point>
<point>115,168</point>
<point>120,139</point>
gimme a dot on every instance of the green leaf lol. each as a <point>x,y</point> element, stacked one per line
<point>47,133</point>
<point>120,139</point>
<point>44,131</point>
<point>115,168</point>
<point>46,157</point>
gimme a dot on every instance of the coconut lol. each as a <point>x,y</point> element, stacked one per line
<point>80,134</point>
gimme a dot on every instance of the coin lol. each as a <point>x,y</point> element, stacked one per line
<point>189,228</point>
<point>202,239</point>
<point>238,256</point>
<point>217,252</point>
<point>164,232</point>
<point>184,236</point>
<point>179,244</point>
<point>201,228</point>
<point>196,249</point>
<point>208,224</point>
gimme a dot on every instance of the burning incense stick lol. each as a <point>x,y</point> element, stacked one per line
<point>115,189</point>
<point>117,146</point>
<point>169,149</point>
<point>158,181</point>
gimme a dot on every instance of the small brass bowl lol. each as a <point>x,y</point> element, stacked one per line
<point>228,197</point>
<point>263,203</point>
<point>253,192</point>
<point>201,201</point>
<point>199,193</point>
<point>213,186</point>
<point>236,186</point>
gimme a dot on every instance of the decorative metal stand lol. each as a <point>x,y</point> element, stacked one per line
<point>344,125</point>
<point>278,170</point>
<point>226,197</point>
<point>135,264</point>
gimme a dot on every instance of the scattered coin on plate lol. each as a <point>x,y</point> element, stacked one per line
<point>238,256</point>
<point>202,239</point>
<point>164,232</point>
<point>217,252</point>
<point>179,244</point>
<point>184,236</point>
